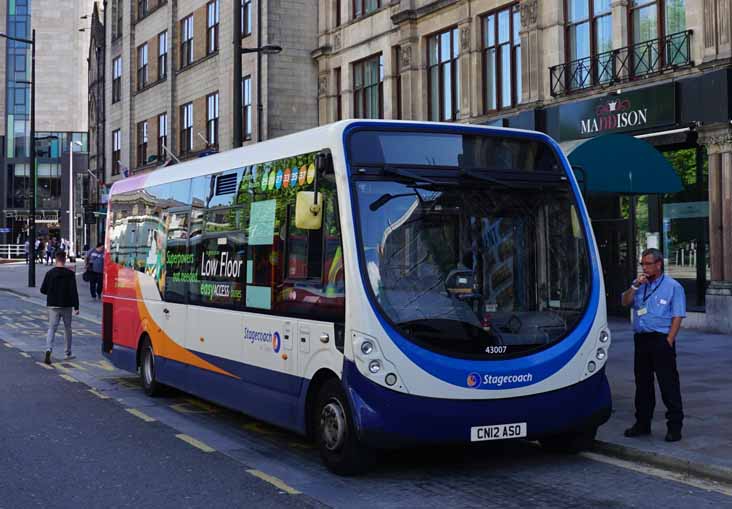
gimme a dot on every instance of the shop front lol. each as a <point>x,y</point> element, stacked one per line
<point>654,163</point>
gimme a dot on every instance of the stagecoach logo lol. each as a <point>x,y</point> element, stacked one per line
<point>475,380</point>
<point>614,114</point>
<point>276,342</point>
<point>255,336</point>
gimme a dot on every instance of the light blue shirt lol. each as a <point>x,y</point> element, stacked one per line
<point>663,299</point>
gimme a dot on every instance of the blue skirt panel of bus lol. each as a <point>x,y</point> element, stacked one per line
<point>389,418</point>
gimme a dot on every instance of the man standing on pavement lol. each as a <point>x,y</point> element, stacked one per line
<point>659,305</point>
<point>59,287</point>
<point>95,269</point>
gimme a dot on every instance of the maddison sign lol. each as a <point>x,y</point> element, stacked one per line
<point>613,115</point>
<point>635,110</point>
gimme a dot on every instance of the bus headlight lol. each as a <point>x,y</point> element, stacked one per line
<point>600,354</point>
<point>604,336</point>
<point>374,366</point>
<point>591,366</point>
<point>390,379</point>
<point>367,347</point>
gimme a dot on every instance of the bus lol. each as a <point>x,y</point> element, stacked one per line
<point>369,284</point>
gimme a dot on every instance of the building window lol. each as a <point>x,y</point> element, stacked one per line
<point>339,92</point>
<point>337,13</point>
<point>443,76</point>
<point>246,101</point>
<point>186,128</point>
<point>363,7</point>
<point>397,114</point>
<point>142,143</point>
<point>501,59</point>
<point>589,34</point>
<point>116,19</point>
<point>368,81</point>
<point>186,44</point>
<point>246,17</point>
<point>162,54</point>
<point>142,9</point>
<point>212,24</point>
<point>650,22</point>
<point>116,79</point>
<point>116,150</point>
<point>212,119</point>
<point>141,66</point>
<point>162,135</point>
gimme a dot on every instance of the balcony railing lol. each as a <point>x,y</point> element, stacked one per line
<point>634,62</point>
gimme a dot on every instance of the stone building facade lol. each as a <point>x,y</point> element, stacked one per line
<point>537,65</point>
<point>169,78</point>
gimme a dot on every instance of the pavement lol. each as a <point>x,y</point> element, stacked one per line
<point>703,361</point>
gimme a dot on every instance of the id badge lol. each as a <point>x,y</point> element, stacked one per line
<point>642,311</point>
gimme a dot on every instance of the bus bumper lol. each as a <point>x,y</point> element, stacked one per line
<point>386,418</point>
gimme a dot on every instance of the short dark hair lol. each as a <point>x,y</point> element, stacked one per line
<point>61,256</point>
<point>655,253</point>
<point>100,244</point>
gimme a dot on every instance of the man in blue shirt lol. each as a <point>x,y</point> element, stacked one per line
<point>659,305</point>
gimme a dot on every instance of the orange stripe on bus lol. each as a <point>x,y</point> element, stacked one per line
<point>163,346</point>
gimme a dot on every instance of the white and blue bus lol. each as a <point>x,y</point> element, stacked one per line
<point>369,283</point>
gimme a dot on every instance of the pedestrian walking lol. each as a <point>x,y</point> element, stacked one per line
<point>95,270</point>
<point>59,287</point>
<point>49,253</point>
<point>659,306</point>
<point>40,251</point>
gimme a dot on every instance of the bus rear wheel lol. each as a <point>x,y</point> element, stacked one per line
<point>147,369</point>
<point>571,442</point>
<point>335,433</point>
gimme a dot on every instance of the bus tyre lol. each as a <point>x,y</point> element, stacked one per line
<point>569,443</point>
<point>147,369</point>
<point>335,433</point>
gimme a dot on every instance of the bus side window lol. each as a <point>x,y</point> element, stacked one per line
<point>314,280</point>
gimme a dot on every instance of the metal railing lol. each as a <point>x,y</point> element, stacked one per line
<point>10,251</point>
<point>634,62</point>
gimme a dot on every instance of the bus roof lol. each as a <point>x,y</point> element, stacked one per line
<point>277,148</point>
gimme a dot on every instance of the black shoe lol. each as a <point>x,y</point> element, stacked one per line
<point>47,358</point>
<point>673,436</point>
<point>636,431</point>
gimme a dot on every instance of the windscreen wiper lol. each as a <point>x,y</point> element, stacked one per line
<point>401,172</point>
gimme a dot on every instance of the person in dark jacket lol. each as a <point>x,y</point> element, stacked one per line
<point>95,269</point>
<point>59,287</point>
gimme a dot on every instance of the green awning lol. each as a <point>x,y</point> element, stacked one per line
<point>618,163</point>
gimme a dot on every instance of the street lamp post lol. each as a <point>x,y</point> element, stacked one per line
<point>268,49</point>
<point>72,223</point>
<point>32,207</point>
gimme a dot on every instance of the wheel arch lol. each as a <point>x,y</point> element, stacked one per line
<point>316,382</point>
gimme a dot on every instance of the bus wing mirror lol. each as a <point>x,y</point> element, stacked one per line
<point>309,210</point>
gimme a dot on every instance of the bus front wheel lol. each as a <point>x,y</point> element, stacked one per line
<point>147,369</point>
<point>339,446</point>
<point>570,443</point>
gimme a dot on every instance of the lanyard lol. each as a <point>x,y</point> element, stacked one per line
<point>645,290</point>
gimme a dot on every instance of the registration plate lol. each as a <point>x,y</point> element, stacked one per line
<point>497,432</point>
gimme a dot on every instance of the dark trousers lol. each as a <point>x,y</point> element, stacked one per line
<point>95,284</point>
<point>654,355</point>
